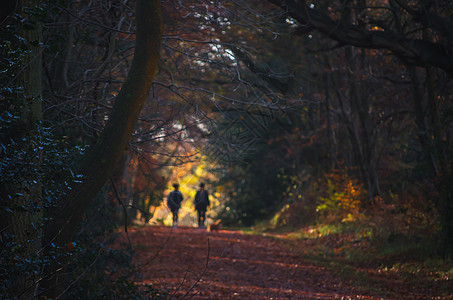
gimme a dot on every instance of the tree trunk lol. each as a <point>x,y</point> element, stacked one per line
<point>423,133</point>
<point>445,167</point>
<point>361,135</point>
<point>446,212</point>
<point>101,160</point>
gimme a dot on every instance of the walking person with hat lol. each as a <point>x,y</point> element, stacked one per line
<point>201,203</point>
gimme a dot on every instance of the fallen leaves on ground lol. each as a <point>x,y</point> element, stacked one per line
<point>194,263</point>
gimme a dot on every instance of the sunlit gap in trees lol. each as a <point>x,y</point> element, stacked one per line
<point>189,176</point>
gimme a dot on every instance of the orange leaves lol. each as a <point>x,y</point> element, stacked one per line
<point>403,215</point>
<point>343,197</point>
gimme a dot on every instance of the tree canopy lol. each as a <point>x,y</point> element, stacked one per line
<point>291,111</point>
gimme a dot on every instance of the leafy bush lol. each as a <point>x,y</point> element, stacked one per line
<point>402,216</point>
<point>343,197</point>
<point>28,189</point>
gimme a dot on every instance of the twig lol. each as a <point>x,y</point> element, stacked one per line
<point>79,277</point>
<point>125,213</point>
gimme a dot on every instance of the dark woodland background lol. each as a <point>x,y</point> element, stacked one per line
<point>294,113</point>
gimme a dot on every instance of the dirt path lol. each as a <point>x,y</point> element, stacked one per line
<point>194,263</point>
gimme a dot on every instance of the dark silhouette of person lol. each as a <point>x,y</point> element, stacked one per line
<point>174,203</point>
<point>201,202</point>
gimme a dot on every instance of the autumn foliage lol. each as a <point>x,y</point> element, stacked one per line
<point>344,197</point>
<point>330,118</point>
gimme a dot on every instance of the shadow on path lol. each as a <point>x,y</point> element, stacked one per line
<point>193,263</point>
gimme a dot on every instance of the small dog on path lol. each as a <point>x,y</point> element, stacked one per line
<point>217,225</point>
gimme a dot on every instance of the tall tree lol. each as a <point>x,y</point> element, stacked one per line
<point>101,159</point>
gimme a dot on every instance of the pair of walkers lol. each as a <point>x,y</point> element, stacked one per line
<point>201,202</point>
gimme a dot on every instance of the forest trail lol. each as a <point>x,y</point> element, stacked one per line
<point>192,263</point>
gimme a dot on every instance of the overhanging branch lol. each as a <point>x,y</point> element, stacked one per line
<point>414,51</point>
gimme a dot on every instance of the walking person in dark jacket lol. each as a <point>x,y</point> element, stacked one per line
<point>174,203</point>
<point>201,202</point>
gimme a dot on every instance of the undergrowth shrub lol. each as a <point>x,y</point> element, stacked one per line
<point>403,215</point>
<point>299,209</point>
<point>21,255</point>
<point>341,197</point>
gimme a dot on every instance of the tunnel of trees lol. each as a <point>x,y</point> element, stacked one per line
<point>340,110</point>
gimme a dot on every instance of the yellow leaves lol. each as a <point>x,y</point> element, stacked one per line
<point>349,218</point>
<point>343,197</point>
<point>189,176</point>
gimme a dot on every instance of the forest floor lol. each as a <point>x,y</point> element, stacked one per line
<point>193,263</point>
